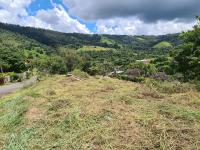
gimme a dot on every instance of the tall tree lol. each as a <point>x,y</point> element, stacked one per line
<point>188,59</point>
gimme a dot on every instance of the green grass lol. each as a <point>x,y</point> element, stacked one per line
<point>141,39</point>
<point>100,113</point>
<point>163,44</point>
<point>19,140</point>
<point>107,41</point>
<point>94,48</point>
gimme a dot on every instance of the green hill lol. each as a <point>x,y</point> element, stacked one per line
<point>40,48</point>
<point>56,39</point>
<point>16,49</point>
<point>163,44</point>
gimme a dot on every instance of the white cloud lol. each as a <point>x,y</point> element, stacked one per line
<point>57,18</point>
<point>13,10</point>
<point>135,26</point>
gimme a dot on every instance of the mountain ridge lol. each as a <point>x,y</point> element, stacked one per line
<point>56,39</point>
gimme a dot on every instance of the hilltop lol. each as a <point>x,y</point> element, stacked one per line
<point>57,39</point>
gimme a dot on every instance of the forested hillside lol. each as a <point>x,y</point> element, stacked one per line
<point>56,39</point>
<point>138,57</point>
<point>24,47</point>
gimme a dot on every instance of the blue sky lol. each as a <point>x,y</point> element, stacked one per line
<point>40,4</point>
<point>47,4</point>
<point>130,17</point>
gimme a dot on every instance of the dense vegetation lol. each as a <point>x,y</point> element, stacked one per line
<point>177,55</point>
<point>188,55</point>
<point>184,60</point>
<point>24,48</point>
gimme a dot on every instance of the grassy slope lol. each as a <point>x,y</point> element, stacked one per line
<point>106,40</point>
<point>99,113</point>
<point>163,44</point>
<point>94,48</point>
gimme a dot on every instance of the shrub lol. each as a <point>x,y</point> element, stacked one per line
<point>169,87</point>
<point>178,76</point>
<point>174,87</point>
<point>127,78</point>
<point>197,85</point>
<point>139,79</point>
<point>80,74</point>
<point>161,76</point>
<point>28,74</point>
<point>134,73</point>
<point>14,77</point>
<point>1,79</point>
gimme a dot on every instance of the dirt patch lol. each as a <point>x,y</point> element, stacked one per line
<point>34,113</point>
<point>35,101</point>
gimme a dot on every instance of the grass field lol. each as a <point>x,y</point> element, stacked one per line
<point>100,113</point>
<point>163,44</point>
<point>94,48</point>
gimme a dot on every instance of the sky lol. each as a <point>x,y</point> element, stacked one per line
<point>124,17</point>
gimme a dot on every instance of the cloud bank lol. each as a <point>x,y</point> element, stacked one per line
<point>136,17</point>
<point>147,10</point>
<point>135,26</point>
<point>131,17</point>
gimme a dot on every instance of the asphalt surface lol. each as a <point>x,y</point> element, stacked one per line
<point>7,89</point>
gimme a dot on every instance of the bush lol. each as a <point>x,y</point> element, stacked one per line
<point>128,78</point>
<point>139,79</point>
<point>197,85</point>
<point>134,73</point>
<point>80,74</point>
<point>28,74</point>
<point>178,76</point>
<point>14,77</point>
<point>161,76</point>
<point>1,79</point>
<point>174,87</point>
<point>169,87</point>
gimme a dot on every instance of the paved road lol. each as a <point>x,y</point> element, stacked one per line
<point>7,89</point>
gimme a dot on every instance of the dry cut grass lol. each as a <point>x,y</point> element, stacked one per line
<point>99,113</point>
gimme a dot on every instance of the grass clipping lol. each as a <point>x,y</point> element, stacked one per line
<point>100,113</point>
